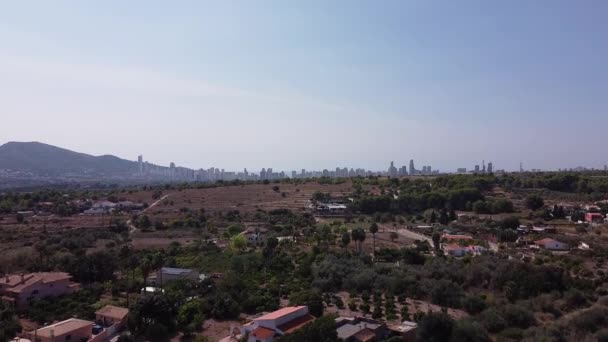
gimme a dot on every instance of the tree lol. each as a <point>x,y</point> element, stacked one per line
<point>345,239</point>
<point>405,315</point>
<point>358,235</point>
<point>394,236</point>
<point>452,215</point>
<point>443,217</point>
<point>474,304</point>
<point>469,331</point>
<point>437,241</point>
<point>144,222</point>
<point>238,243</point>
<point>511,222</point>
<point>9,326</point>
<point>534,202</point>
<point>481,207</point>
<point>190,317</point>
<point>311,298</point>
<point>271,245</point>
<point>374,229</point>
<point>153,315</point>
<point>435,327</point>
<point>433,217</point>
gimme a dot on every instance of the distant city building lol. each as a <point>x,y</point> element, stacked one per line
<point>461,170</point>
<point>140,162</point>
<point>392,170</point>
<point>412,168</point>
<point>476,168</point>
<point>490,167</point>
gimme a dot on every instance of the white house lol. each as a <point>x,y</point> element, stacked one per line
<point>168,274</point>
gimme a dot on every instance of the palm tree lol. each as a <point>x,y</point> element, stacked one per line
<point>374,229</point>
<point>358,235</point>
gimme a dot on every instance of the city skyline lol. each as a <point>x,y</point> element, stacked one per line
<point>310,84</point>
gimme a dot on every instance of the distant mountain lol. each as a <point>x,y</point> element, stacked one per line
<point>37,156</point>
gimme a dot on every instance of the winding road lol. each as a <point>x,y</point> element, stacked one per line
<point>132,228</point>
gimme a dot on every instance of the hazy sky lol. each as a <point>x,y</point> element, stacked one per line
<point>310,84</point>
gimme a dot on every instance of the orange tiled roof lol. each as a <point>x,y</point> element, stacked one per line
<point>16,284</point>
<point>61,328</point>
<point>365,335</point>
<point>281,312</point>
<point>296,324</point>
<point>457,237</point>
<point>114,312</point>
<point>544,241</point>
<point>263,333</point>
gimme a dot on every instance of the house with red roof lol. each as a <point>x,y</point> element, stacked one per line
<point>594,218</point>
<point>269,327</point>
<point>19,289</point>
<point>552,245</point>
<point>456,237</point>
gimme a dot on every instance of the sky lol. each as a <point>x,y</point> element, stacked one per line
<point>310,84</point>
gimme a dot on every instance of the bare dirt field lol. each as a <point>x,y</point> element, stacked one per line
<point>161,239</point>
<point>246,198</point>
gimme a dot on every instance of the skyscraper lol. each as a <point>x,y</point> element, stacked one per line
<point>483,170</point>
<point>412,169</point>
<point>392,170</point>
<point>490,167</point>
<point>140,161</point>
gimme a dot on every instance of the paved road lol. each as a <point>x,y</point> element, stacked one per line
<point>132,228</point>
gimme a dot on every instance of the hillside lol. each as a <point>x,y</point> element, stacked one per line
<point>42,157</point>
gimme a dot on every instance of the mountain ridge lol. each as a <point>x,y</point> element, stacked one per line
<point>34,155</point>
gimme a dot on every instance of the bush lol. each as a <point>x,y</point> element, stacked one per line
<point>534,202</point>
<point>493,320</point>
<point>435,327</point>
<point>511,222</point>
<point>473,304</point>
<point>518,316</point>
<point>469,331</point>
<point>591,320</point>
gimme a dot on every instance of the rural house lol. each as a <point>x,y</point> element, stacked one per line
<point>168,274</point>
<point>361,329</point>
<point>551,244</point>
<point>20,289</point>
<point>594,218</point>
<point>269,327</point>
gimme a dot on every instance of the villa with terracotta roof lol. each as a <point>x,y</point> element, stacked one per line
<point>111,315</point>
<point>20,289</point>
<point>110,320</point>
<point>269,327</point>
<point>69,330</point>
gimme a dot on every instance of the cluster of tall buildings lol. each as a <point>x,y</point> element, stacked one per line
<point>213,174</point>
<point>478,169</point>
<point>403,170</point>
